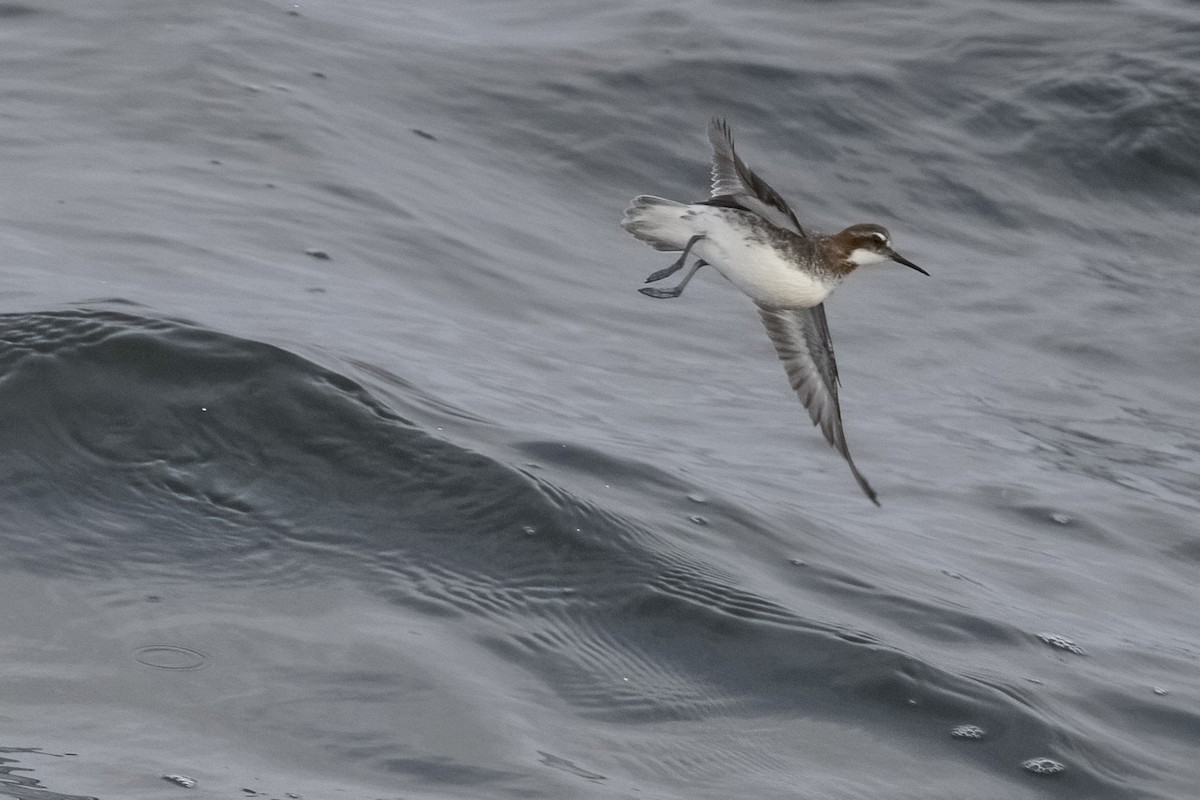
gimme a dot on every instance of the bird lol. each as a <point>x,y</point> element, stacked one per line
<point>747,232</point>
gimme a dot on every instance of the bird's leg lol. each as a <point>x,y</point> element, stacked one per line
<point>678,265</point>
<point>663,294</point>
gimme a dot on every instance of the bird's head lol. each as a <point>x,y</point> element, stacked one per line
<point>867,243</point>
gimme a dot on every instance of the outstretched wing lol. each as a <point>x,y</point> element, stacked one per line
<point>733,183</point>
<point>801,338</point>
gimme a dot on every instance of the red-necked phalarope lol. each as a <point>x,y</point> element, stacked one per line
<point>746,230</point>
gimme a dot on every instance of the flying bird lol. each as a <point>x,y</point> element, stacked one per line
<point>747,232</point>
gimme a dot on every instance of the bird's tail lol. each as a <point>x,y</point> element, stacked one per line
<point>658,222</point>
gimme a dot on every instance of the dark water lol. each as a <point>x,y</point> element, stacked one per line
<point>340,458</point>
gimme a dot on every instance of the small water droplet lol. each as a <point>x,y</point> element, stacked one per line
<point>181,780</point>
<point>1043,766</point>
<point>796,562</point>
<point>696,497</point>
<point>528,530</point>
<point>972,732</point>
<point>1061,518</point>
<point>697,519</point>
<point>1158,690</point>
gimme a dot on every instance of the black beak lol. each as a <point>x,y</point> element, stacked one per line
<point>899,259</point>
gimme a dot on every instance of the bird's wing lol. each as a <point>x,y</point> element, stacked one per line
<point>732,179</point>
<point>801,338</point>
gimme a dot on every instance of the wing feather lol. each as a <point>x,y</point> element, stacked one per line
<point>801,338</point>
<point>732,179</point>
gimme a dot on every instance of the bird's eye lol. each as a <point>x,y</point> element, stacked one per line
<point>879,237</point>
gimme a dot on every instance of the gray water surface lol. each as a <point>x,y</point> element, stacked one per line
<point>340,456</point>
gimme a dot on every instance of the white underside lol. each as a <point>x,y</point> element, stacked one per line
<point>761,271</point>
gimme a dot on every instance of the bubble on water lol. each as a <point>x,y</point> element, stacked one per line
<point>181,780</point>
<point>1158,690</point>
<point>1043,766</point>
<point>1062,643</point>
<point>696,497</point>
<point>972,732</point>
<point>697,519</point>
<point>1061,518</point>
<point>169,656</point>
<point>528,530</point>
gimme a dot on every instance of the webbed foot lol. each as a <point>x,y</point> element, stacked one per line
<point>660,294</point>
